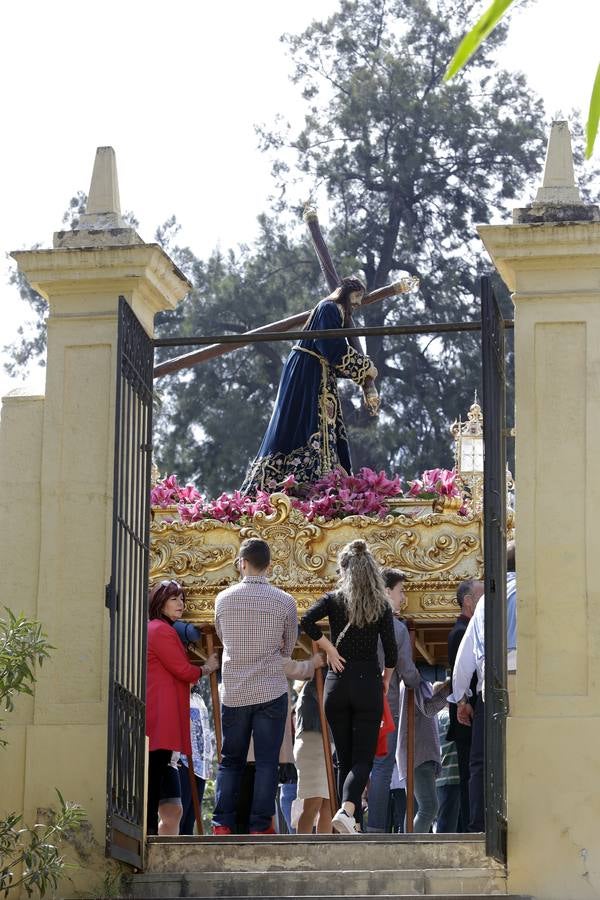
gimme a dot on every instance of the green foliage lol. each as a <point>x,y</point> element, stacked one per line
<point>472,40</point>
<point>593,116</point>
<point>29,857</point>
<point>22,645</point>
<point>34,851</point>
<point>480,31</point>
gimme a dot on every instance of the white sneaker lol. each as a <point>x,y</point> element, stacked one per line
<point>343,822</point>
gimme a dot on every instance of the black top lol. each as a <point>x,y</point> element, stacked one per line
<point>358,644</point>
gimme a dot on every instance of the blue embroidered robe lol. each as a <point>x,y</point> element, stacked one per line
<point>306,436</point>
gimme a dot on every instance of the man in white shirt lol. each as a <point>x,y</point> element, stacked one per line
<point>469,659</point>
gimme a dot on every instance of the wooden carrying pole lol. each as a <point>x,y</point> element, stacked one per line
<point>333,801</point>
<point>214,350</point>
<point>195,798</point>
<point>209,631</point>
<point>410,743</point>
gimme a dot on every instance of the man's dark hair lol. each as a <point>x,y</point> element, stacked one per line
<point>510,557</point>
<point>464,588</point>
<point>391,577</point>
<point>256,552</point>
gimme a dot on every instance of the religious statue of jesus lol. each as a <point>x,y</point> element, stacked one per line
<point>306,436</point>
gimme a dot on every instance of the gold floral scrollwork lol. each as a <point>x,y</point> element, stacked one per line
<point>175,551</point>
<point>290,538</point>
<point>438,602</point>
<point>408,551</point>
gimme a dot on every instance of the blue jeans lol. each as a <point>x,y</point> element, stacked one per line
<point>265,723</point>
<point>287,795</point>
<point>379,786</point>
<point>449,808</point>
<point>426,797</point>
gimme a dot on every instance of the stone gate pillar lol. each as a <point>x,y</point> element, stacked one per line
<point>59,739</point>
<point>550,260</point>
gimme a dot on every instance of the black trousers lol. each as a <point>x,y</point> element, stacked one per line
<point>463,753</point>
<point>163,784</point>
<point>353,706</point>
<point>477,770</point>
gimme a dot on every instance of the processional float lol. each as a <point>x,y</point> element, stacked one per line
<point>435,548</point>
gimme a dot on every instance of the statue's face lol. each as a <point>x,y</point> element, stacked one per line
<point>356,298</point>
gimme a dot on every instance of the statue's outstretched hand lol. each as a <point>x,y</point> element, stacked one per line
<point>372,401</point>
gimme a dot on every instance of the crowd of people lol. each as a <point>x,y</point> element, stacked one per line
<point>272,773</point>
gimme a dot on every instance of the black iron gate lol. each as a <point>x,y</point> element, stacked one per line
<point>494,513</point>
<point>126,593</point>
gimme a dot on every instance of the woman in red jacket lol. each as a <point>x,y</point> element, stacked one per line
<point>169,677</point>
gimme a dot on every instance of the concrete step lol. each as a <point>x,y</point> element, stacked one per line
<point>340,882</point>
<point>305,853</point>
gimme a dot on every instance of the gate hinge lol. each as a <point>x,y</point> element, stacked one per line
<point>108,595</point>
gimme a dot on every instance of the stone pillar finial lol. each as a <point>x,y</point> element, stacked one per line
<point>101,224</point>
<point>559,185</point>
<point>558,199</point>
<point>103,196</point>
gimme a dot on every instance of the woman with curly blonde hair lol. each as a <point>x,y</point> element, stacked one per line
<point>359,614</point>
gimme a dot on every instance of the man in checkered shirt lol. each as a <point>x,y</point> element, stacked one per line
<point>258,626</point>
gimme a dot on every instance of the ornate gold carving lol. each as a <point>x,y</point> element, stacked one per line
<point>435,550</point>
<point>439,601</point>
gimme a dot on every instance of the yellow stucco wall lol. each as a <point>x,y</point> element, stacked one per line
<point>57,473</point>
<point>553,731</point>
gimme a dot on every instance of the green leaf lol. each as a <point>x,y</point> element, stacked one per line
<point>476,36</point>
<point>591,128</point>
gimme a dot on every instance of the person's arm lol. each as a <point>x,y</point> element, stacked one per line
<point>432,705</point>
<point>390,647</point>
<point>290,630</point>
<point>464,667</point>
<point>302,669</point>
<point>308,623</point>
<point>218,627</point>
<point>405,667</point>
<point>167,647</point>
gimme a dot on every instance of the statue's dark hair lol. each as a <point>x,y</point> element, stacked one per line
<point>348,285</point>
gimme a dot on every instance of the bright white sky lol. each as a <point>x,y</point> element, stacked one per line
<point>176,89</point>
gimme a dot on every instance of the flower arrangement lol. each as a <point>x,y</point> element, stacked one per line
<point>435,482</point>
<point>334,496</point>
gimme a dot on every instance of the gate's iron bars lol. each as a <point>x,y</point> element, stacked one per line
<point>233,340</point>
<point>494,516</point>
<point>126,593</point>
<point>410,742</point>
